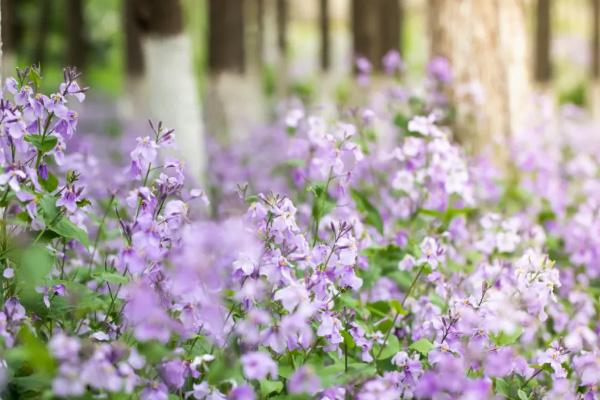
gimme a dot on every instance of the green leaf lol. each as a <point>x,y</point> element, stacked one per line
<point>522,395</point>
<point>506,339</point>
<point>268,387</point>
<point>397,306</point>
<point>35,264</point>
<point>348,339</point>
<point>322,204</point>
<point>363,205</point>
<point>503,388</point>
<point>111,277</point>
<point>69,230</point>
<point>49,184</point>
<point>43,144</point>
<point>35,352</point>
<point>47,205</point>
<point>423,346</point>
<point>392,347</point>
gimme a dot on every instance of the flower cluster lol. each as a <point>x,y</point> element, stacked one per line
<point>355,254</point>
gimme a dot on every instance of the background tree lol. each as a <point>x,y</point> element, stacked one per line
<point>325,54</point>
<point>375,28</point>
<point>486,45</point>
<point>171,81</point>
<point>543,37</point>
<point>595,53</point>
<point>44,17</point>
<point>77,48</point>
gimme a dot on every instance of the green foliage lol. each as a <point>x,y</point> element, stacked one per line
<point>372,216</point>
<point>422,346</point>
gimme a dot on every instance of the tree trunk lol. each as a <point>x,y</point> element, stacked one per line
<point>76,56</point>
<point>595,70</point>
<point>485,43</point>
<point>282,22</point>
<point>226,36</point>
<point>325,34</point>
<point>543,37</point>
<point>170,77</point>
<point>39,54</point>
<point>135,96</point>
<point>8,31</point>
<point>376,29</point>
<point>595,64</point>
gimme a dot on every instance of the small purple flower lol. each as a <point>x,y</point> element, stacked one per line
<point>68,199</point>
<point>173,373</point>
<point>242,392</point>
<point>392,62</point>
<point>258,365</point>
<point>304,380</point>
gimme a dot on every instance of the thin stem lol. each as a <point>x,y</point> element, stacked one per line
<point>397,315</point>
<point>100,227</point>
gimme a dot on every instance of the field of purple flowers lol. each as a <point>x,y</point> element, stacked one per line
<point>337,253</point>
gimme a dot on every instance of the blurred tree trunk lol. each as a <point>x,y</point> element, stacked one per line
<point>39,53</point>
<point>135,99</point>
<point>595,52</point>
<point>376,29</point>
<point>543,38</point>
<point>281,67</point>
<point>170,78</point>
<point>8,32</point>
<point>260,35</point>
<point>486,45</point>
<point>226,36</point>
<point>76,55</point>
<point>325,34</point>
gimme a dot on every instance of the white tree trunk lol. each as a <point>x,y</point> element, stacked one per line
<point>487,46</point>
<point>173,96</point>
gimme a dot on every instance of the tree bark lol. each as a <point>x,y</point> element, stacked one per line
<point>226,36</point>
<point>39,54</point>
<point>376,29</point>
<point>325,34</point>
<point>485,43</point>
<point>595,65</point>
<point>543,37</point>
<point>282,24</point>
<point>170,79</point>
<point>594,95</point>
<point>76,56</point>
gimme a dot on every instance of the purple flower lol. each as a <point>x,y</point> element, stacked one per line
<point>173,373</point>
<point>258,365</point>
<point>156,391</point>
<point>392,62</point>
<point>440,70</point>
<point>242,392</point>
<point>587,366</point>
<point>68,199</point>
<point>304,380</point>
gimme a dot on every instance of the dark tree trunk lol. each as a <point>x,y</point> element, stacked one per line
<point>160,17</point>
<point>595,39</point>
<point>282,22</point>
<point>226,36</point>
<point>325,34</point>
<point>8,26</point>
<point>76,35</point>
<point>260,14</point>
<point>134,58</point>
<point>375,28</point>
<point>390,17</point>
<point>543,37</point>
<point>39,53</point>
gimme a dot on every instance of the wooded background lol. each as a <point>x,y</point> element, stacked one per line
<point>210,60</point>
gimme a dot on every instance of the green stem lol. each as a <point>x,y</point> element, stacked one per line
<point>397,315</point>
